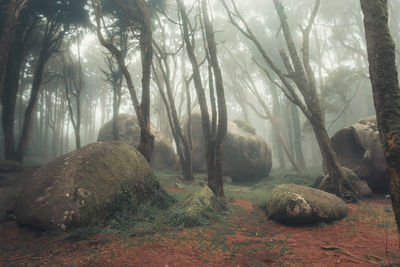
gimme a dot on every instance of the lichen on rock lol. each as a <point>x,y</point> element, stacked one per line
<point>77,188</point>
<point>297,204</point>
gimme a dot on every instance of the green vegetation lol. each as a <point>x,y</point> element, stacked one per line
<point>198,209</point>
<point>257,192</point>
<point>165,212</point>
<point>245,126</point>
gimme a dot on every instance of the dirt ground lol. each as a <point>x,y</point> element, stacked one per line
<point>367,237</point>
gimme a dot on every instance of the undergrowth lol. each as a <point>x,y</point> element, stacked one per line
<point>162,213</point>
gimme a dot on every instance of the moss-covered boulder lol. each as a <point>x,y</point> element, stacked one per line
<point>297,204</point>
<point>200,208</point>
<point>247,156</point>
<point>361,186</point>
<point>79,188</point>
<point>163,156</point>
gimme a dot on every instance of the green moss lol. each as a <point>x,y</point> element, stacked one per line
<point>245,126</point>
<point>106,170</point>
<point>200,208</point>
<point>322,206</point>
<point>127,212</point>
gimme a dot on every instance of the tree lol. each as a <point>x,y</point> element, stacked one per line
<point>12,12</point>
<point>50,20</point>
<point>133,12</point>
<point>73,86</point>
<point>114,77</point>
<point>214,132</point>
<point>183,142</point>
<point>268,115</point>
<point>385,89</point>
<point>299,72</point>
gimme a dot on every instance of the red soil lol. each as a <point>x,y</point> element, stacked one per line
<point>244,204</point>
<point>175,189</point>
<point>247,240</point>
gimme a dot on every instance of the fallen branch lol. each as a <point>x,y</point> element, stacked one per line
<point>347,253</point>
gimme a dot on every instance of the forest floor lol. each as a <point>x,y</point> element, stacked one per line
<point>243,237</point>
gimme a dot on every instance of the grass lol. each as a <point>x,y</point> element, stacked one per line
<point>257,192</point>
<point>155,215</point>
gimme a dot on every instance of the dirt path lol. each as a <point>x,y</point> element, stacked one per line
<point>366,237</point>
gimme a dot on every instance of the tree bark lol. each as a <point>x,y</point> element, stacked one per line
<point>51,42</point>
<point>142,110</point>
<point>6,35</point>
<point>216,161</point>
<point>385,89</point>
<point>213,135</point>
<point>10,89</point>
<point>298,148</point>
<point>182,142</point>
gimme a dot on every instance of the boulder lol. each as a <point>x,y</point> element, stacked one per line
<point>199,208</point>
<point>80,188</point>
<point>8,198</point>
<point>247,156</point>
<point>361,186</point>
<point>10,166</point>
<point>163,156</point>
<point>358,148</point>
<point>298,204</point>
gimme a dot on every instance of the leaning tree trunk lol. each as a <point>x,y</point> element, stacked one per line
<point>29,112</point>
<point>385,89</point>
<point>142,110</point>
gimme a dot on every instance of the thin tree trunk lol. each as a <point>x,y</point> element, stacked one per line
<point>386,91</point>
<point>142,110</point>
<point>301,73</point>
<point>215,181</point>
<point>298,148</point>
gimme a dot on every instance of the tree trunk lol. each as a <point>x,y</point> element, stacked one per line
<point>9,98</point>
<point>146,138</point>
<point>142,110</point>
<point>6,35</point>
<point>213,139</point>
<point>298,148</point>
<point>216,153</point>
<point>36,84</point>
<point>385,89</point>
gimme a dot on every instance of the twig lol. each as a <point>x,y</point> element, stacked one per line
<point>349,254</point>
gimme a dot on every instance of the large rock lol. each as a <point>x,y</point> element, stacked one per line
<point>329,185</point>
<point>163,156</point>
<point>10,166</point>
<point>79,188</point>
<point>246,156</point>
<point>358,148</point>
<point>298,204</point>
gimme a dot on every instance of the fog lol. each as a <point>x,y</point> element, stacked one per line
<point>269,128</point>
<point>337,58</point>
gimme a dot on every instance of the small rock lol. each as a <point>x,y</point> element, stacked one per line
<point>227,179</point>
